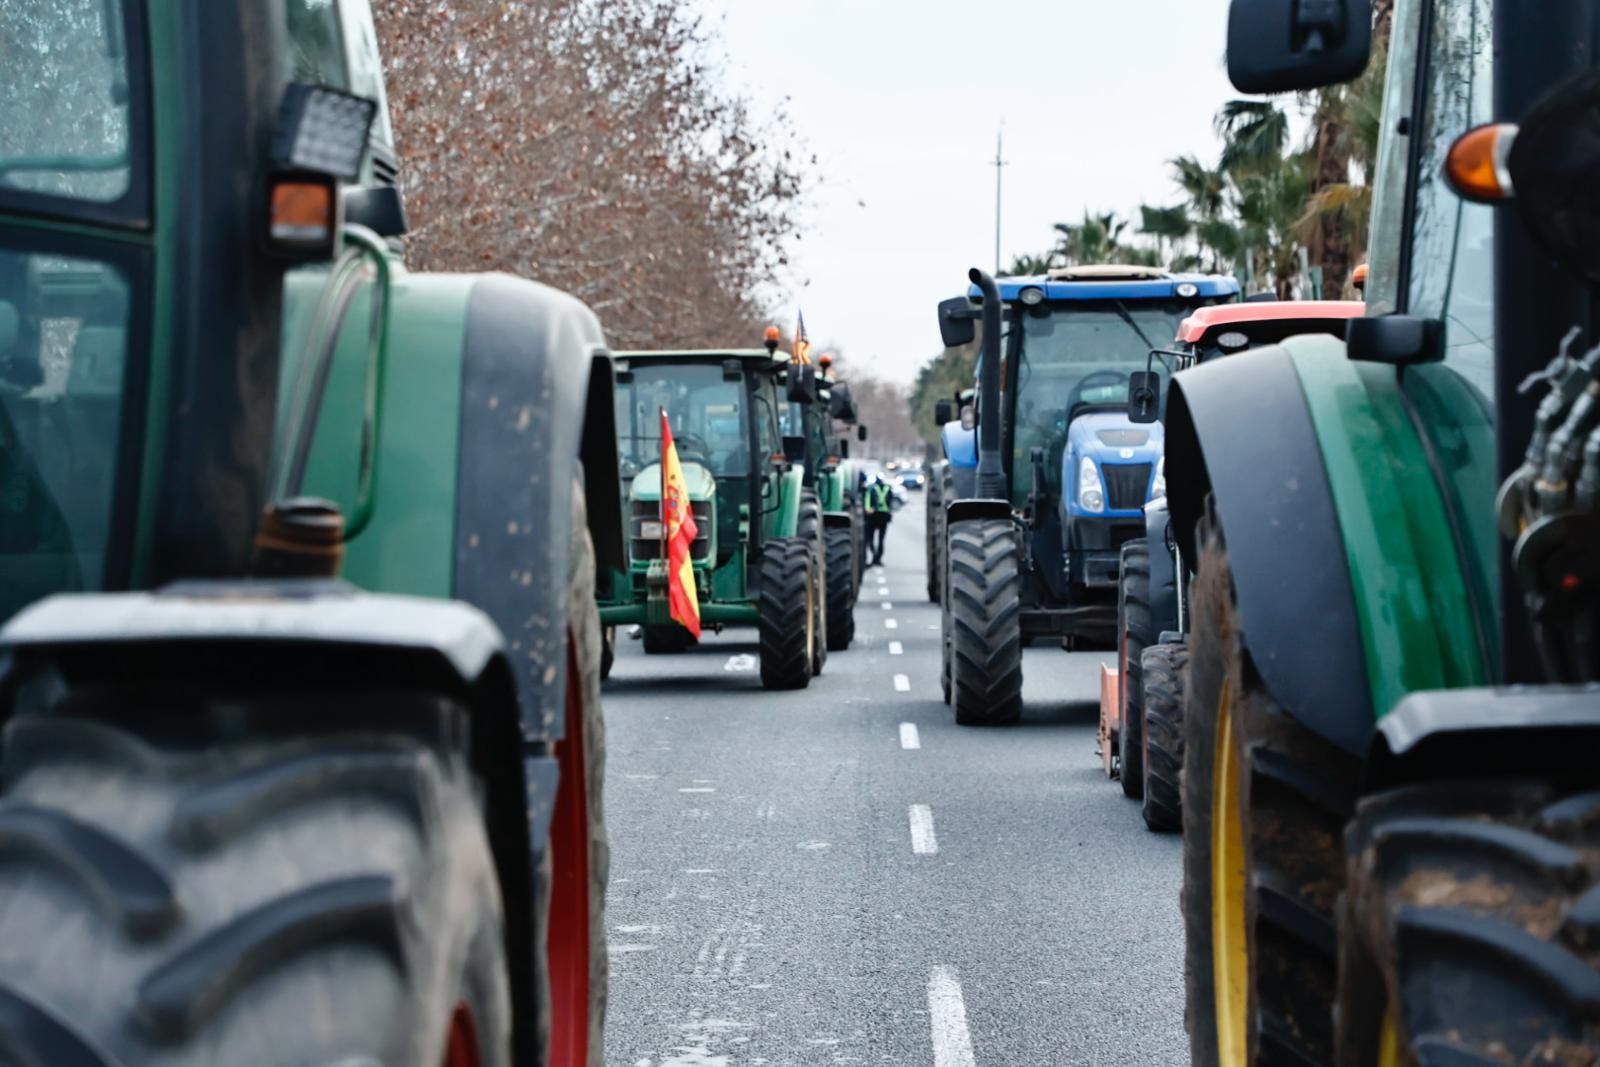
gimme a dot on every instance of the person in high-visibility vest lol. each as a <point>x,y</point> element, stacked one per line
<point>877,518</point>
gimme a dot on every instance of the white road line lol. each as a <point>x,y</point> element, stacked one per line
<point>890,624</point>
<point>923,842</point>
<point>698,789</point>
<point>902,683</point>
<point>887,606</point>
<point>908,735</point>
<point>895,649</point>
<point>947,1013</point>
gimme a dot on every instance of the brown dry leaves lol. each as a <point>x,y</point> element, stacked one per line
<point>587,144</point>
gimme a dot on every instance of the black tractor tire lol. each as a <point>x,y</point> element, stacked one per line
<point>1291,794</point>
<point>1470,925</point>
<point>1161,804</point>
<point>811,529</point>
<point>666,639</point>
<point>608,651</point>
<point>934,537</point>
<point>1135,633</point>
<point>788,625</point>
<point>986,622</point>
<point>195,877</point>
<point>841,628</point>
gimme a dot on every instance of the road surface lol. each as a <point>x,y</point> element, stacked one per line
<point>842,875</point>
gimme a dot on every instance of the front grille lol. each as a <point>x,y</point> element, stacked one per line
<point>650,547</point>
<point>1127,484</point>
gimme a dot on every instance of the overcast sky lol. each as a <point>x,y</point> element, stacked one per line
<point>900,101</point>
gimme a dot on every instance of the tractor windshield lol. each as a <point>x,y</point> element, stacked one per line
<point>1077,356</point>
<point>66,128</point>
<point>709,415</point>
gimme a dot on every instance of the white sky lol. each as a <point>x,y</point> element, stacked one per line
<point>900,101</point>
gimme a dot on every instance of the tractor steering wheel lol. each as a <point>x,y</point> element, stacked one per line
<point>689,444</point>
<point>1099,379</point>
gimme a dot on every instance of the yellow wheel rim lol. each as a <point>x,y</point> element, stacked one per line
<point>1230,947</point>
<point>1389,1042</point>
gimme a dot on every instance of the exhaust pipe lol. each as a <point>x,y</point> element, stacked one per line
<point>991,473</point>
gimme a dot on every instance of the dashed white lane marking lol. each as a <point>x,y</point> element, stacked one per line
<point>887,606</point>
<point>890,624</point>
<point>895,649</point>
<point>902,683</point>
<point>923,841</point>
<point>908,735</point>
<point>740,663</point>
<point>697,789</point>
<point>947,1014</point>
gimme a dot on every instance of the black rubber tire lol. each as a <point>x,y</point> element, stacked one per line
<point>788,613</point>
<point>1161,804</point>
<point>810,529</point>
<point>194,877</point>
<point>1473,912</point>
<point>841,607</point>
<point>1296,793</point>
<point>1135,634</point>
<point>935,503</point>
<point>666,639</point>
<point>985,622</point>
<point>608,651</point>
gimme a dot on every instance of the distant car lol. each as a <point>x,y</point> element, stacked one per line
<point>913,478</point>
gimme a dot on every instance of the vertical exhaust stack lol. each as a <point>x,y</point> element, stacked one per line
<point>991,473</point>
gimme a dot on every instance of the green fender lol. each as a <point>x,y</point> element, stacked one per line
<point>784,519</point>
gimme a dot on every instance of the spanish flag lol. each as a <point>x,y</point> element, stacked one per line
<point>800,351</point>
<point>678,532</point>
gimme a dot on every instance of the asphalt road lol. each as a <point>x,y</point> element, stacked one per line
<point>793,884</point>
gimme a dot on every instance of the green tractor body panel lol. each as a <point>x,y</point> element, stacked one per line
<point>724,409</point>
<point>1417,612</point>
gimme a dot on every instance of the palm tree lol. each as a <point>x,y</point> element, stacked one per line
<point>1207,191</point>
<point>1165,224</point>
<point>1256,133</point>
<point>1028,265</point>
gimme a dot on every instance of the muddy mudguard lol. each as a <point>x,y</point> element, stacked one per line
<point>1284,543</point>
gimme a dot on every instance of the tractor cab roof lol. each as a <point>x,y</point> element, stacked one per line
<point>1111,281</point>
<point>698,355</point>
<point>1207,322</point>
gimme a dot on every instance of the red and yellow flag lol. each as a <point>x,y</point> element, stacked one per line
<point>800,351</point>
<point>678,532</point>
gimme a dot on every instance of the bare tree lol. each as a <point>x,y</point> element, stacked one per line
<point>588,144</point>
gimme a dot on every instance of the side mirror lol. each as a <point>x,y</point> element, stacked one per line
<point>942,412</point>
<point>1399,340</point>
<point>1281,46</point>
<point>1144,396</point>
<point>794,449</point>
<point>802,387</point>
<point>861,433</point>
<point>958,325</point>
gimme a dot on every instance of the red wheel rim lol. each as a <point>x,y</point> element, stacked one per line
<point>462,1048</point>
<point>567,944</point>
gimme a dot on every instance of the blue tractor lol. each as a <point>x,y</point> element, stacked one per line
<point>1031,547</point>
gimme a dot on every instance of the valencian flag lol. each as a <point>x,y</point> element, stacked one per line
<point>678,532</point>
<point>801,349</point>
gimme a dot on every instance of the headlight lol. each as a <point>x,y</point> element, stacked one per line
<point>1090,498</point>
<point>1188,290</point>
<point>1031,296</point>
<point>1159,488</point>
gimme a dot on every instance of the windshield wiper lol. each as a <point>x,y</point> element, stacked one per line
<point>1122,313</point>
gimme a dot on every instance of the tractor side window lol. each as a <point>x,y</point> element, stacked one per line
<point>316,44</point>
<point>1452,251</point>
<point>64,101</point>
<point>63,349</point>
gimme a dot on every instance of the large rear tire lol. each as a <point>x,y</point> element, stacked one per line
<point>1468,933</point>
<point>985,622</point>
<point>1161,804</point>
<point>841,629</point>
<point>1135,634</point>
<point>788,613</point>
<point>1264,805</point>
<point>194,876</point>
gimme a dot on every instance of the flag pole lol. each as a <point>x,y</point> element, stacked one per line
<point>666,428</point>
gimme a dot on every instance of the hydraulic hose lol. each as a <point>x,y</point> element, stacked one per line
<point>991,473</point>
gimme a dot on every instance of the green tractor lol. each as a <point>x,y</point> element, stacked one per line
<point>836,480</point>
<point>759,556</point>
<point>252,813</point>
<point>1391,807</point>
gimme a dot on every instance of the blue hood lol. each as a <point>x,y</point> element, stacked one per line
<point>960,446</point>
<point>1111,440</point>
